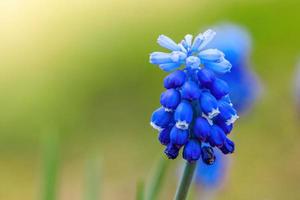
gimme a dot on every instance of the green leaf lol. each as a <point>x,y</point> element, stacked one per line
<point>50,157</point>
<point>140,190</point>
<point>92,178</point>
<point>156,182</point>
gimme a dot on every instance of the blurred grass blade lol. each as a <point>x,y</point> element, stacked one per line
<point>50,165</point>
<point>140,191</point>
<point>92,179</point>
<point>156,182</point>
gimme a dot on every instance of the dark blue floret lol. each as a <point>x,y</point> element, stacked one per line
<point>172,151</point>
<point>207,154</point>
<point>190,91</point>
<point>201,128</point>
<point>219,88</point>
<point>227,112</point>
<point>161,118</point>
<point>228,147</point>
<point>209,104</point>
<point>192,151</point>
<point>175,80</point>
<point>164,136</point>
<point>206,77</point>
<point>183,115</point>
<point>179,137</point>
<point>170,99</point>
<point>222,124</point>
<point>217,136</point>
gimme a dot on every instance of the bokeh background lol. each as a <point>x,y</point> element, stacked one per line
<point>79,70</point>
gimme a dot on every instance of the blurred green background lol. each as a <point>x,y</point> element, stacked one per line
<point>79,69</point>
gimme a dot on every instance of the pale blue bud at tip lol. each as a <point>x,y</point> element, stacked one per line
<point>221,67</point>
<point>178,57</point>
<point>207,37</point>
<point>169,66</point>
<point>167,43</point>
<point>179,137</point>
<point>192,62</point>
<point>211,55</point>
<point>160,58</point>
<point>197,42</point>
<point>188,40</point>
<point>183,115</point>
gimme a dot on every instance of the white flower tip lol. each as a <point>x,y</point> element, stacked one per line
<point>155,126</point>
<point>213,113</point>
<point>232,119</point>
<point>208,119</point>
<point>183,125</point>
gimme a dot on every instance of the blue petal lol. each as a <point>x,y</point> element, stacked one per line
<point>227,113</point>
<point>169,66</point>
<point>221,67</point>
<point>178,136</point>
<point>178,57</point>
<point>171,151</point>
<point>164,136</point>
<point>183,115</point>
<point>192,151</point>
<point>170,99</point>
<point>167,43</point>
<point>201,128</point>
<point>160,58</point>
<point>206,77</point>
<point>207,37</point>
<point>161,119</point>
<point>175,79</point>
<point>228,147</point>
<point>190,91</point>
<point>217,136</point>
<point>219,88</point>
<point>188,39</point>
<point>211,55</point>
<point>197,42</point>
<point>209,105</point>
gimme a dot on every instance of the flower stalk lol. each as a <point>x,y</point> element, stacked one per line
<point>185,181</point>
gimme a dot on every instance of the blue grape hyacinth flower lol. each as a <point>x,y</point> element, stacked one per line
<point>196,112</point>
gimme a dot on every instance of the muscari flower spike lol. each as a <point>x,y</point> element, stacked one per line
<point>196,113</point>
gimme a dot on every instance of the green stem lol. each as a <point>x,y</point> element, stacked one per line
<point>185,181</point>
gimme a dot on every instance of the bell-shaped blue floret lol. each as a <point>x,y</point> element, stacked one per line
<point>175,80</point>
<point>227,113</point>
<point>179,137</point>
<point>183,115</point>
<point>209,105</point>
<point>219,67</point>
<point>167,43</point>
<point>190,91</point>
<point>169,66</point>
<point>161,119</point>
<point>222,124</point>
<point>228,147</point>
<point>217,136</point>
<point>192,62</point>
<point>192,151</point>
<point>206,77</point>
<point>197,42</point>
<point>171,151</point>
<point>201,128</point>
<point>219,88</point>
<point>170,99</point>
<point>207,154</point>
<point>211,55</point>
<point>164,136</point>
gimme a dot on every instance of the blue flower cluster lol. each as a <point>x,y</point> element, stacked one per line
<point>196,112</point>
